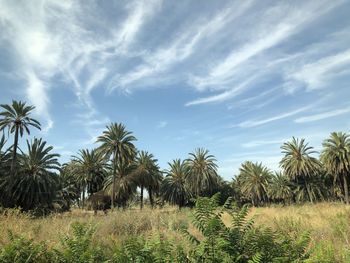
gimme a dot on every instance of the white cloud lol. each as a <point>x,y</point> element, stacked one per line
<point>273,30</point>
<point>55,38</point>
<point>254,123</point>
<point>253,144</point>
<point>323,115</point>
<point>317,74</point>
<point>182,47</point>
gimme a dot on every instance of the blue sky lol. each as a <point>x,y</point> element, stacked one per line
<point>236,77</point>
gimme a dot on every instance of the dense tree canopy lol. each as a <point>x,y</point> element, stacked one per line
<point>34,180</point>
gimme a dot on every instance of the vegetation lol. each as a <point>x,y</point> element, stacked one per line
<point>33,181</point>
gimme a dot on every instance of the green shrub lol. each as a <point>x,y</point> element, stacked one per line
<point>78,247</point>
<point>155,249</point>
<point>21,249</point>
<point>241,241</point>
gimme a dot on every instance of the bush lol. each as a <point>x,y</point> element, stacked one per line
<point>241,241</point>
<point>78,248</point>
<point>21,249</point>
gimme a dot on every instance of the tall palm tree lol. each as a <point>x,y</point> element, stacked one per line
<point>174,188</point>
<point>146,173</point>
<point>122,182</point>
<point>280,188</point>
<point>16,118</point>
<point>90,170</point>
<point>336,159</point>
<point>36,183</point>
<point>254,179</point>
<point>202,171</point>
<point>117,142</point>
<point>298,164</point>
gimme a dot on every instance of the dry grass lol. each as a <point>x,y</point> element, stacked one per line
<point>326,222</point>
<point>111,228</point>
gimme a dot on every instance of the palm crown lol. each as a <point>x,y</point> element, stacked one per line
<point>297,161</point>
<point>117,142</point>
<point>336,158</point>
<point>174,188</point>
<point>202,170</point>
<point>16,118</point>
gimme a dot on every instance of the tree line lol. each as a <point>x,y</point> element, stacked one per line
<point>34,180</point>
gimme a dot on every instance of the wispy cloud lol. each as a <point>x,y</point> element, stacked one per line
<point>181,48</point>
<point>254,123</point>
<point>226,73</point>
<point>225,95</point>
<point>317,74</point>
<point>323,115</point>
<point>253,144</point>
<point>51,40</point>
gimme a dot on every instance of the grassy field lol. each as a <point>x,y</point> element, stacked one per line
<point>328,224</point>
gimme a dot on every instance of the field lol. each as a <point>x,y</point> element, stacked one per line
<point>327,223</point>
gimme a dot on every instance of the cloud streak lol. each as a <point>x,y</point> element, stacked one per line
<point>322,116</point>
<point>254,123</point>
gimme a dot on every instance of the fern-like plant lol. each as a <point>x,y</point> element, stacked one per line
<point>241,241</point>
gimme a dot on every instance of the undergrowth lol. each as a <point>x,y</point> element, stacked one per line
<point>209,239</point>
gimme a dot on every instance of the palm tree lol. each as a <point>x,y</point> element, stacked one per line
<point>254,179</point>
<point>90,170</point>
<point>146,173</point>
<point>336,159</point>
<point>36,183</point>
<point>174,188</point>
<point>298,164</point>
<point>69,188</point>
<point>16,118</point>
<point>202,171</point>
<point>117,143</point>
<point>5,164</point>
<point>4,155</point>
<point>280,188</point>
<point>122,182</point>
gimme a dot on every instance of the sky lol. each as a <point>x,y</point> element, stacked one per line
<point>238,78</point>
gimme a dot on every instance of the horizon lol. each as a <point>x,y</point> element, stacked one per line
<point>238,79</point>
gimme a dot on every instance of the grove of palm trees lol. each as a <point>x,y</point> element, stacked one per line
<point>211,216</point>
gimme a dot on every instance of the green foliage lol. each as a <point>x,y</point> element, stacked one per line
<point>156,249</point>
<point>174,188</point>
<point>253,180</point>
<point>280,189</point>
<point>35,184</point>
<point>117,145</point>
<point>336,159</point>
<point>202,172</point>
<point>78,247</point>
<point>147,175</point>
<point>322,252</point>
<point>301,167</point>
<point>20,250</point>
<point>241,241</point>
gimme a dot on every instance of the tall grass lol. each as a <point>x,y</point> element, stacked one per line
<point>327,223</point>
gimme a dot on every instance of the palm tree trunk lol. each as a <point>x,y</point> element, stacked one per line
<point>346,189</point>
<point>308,192</point>
<point>141,197</point>
<point>14,153</point>
<point>150,193</point>
<point>114,177</point>
<point>83,197</point>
